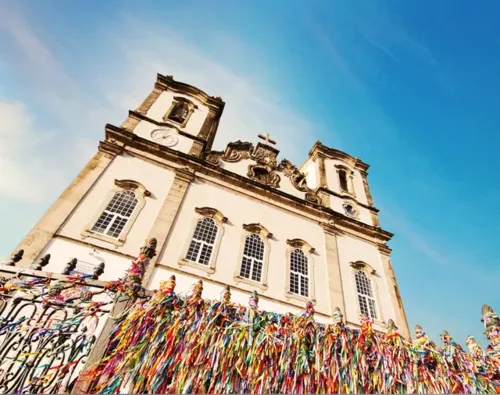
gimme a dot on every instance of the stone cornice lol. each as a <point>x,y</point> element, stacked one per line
<point>120,136</point>
<point>163,82</point>
<point>332,153</point>
<point>141,117</point>
<point>349,197</point>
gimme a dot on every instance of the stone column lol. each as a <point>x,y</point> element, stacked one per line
<point>166,217</point>
<point>397,302</point>
<point>36,240</point>
<point>333,269</point>
<point>131,121</point>
<point>321,180</point>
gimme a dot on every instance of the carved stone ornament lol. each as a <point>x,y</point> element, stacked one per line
<point>297,178</point>
<point>264,174</point>
<point>237,151</point>
<point>299,243</point>
<point>258,229</point>
<point>313,198</point>
<point>359,265</point>
<point>211,213</point>
<point>265,155</point>
<point>234,152</point>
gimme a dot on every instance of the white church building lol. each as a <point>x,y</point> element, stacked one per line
<point>240,217</point>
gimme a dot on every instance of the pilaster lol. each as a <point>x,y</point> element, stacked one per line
<point>36,240</point>
<point>333,269</point>
<point>131,122</point>
<point>321,181</point>
<point>168,212</point>
<point>397,302</point>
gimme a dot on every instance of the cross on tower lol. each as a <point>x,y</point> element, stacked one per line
<point>266,138</point>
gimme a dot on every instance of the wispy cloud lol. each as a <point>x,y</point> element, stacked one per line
<point>20,157</point>
<point>123,76</point>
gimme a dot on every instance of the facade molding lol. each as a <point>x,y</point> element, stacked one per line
<point>305,247</point>
<point>332,153</point>
<point>265,235</point>
<point>374,278</point>
<point>167,83</point>
<point>140,193</point>
<point>207,170</point>
<point>220,220</point>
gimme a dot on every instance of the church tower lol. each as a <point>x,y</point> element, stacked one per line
<point>241,217</point>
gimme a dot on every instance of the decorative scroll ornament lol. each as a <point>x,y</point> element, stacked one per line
<point>266,169</point>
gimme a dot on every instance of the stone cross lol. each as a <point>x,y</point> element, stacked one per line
<point>266,138</point>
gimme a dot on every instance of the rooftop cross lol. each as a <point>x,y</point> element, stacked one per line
<point>267,138</point>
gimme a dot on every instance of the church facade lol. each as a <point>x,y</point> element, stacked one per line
<point>241,217</point>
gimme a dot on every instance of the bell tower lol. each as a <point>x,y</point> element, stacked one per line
<point>178,116</point>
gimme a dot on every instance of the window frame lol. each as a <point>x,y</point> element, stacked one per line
<point>374,278</point>
<point>220,220</point>
<point>349,179</point>
<point>140,193</point>
<point>265,235</point>
<point>191,108</point>
<point>299,244</point>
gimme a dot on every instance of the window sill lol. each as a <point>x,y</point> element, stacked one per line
<point>239,279</point>
<point>289,295</point>
<point>347,194</point>
<point>206,268</point>
<point>175,123</point>
<point>108,239</point>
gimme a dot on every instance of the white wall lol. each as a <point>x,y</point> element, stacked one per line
<point>333,182</point>
<point>352,250</point>
<point>337,203</point>
<point>156,179</point>
<point>310,167</point>
<point>144,129</point>
<point>243,210</point>
<point>163,103</point>
<point>213,291</point>
<point>62,251</point>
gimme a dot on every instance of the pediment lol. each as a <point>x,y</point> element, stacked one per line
<point>263,166</point>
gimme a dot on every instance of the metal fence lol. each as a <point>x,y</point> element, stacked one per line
<point>49,324</point>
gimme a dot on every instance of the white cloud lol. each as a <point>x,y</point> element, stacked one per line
<point>26,174</point>
<point>250,109</point>
<point>123,75</point>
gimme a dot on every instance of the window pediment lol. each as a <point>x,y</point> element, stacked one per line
<point>213,213</point>
<point>185,100</point>
<point>360,265</point>
<point>132,185</point>
<point>258,229</point>
<point>345,168</point>
<point>303,245</point>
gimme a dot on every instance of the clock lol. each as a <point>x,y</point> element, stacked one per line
<point>165,137</point>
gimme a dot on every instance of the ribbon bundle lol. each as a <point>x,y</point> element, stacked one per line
<point>185,344</point>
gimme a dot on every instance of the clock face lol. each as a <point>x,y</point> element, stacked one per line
<point>165,137</point>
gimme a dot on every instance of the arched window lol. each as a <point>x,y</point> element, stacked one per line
<point>299,273</point>
<point>117,213</point>
<point>203,241</point>
<point>366,297</point>
<point>253,258</point>
<point>343,180</point>
<point>179,112</point>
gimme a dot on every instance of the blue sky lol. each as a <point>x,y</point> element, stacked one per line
<point>410,87</point>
